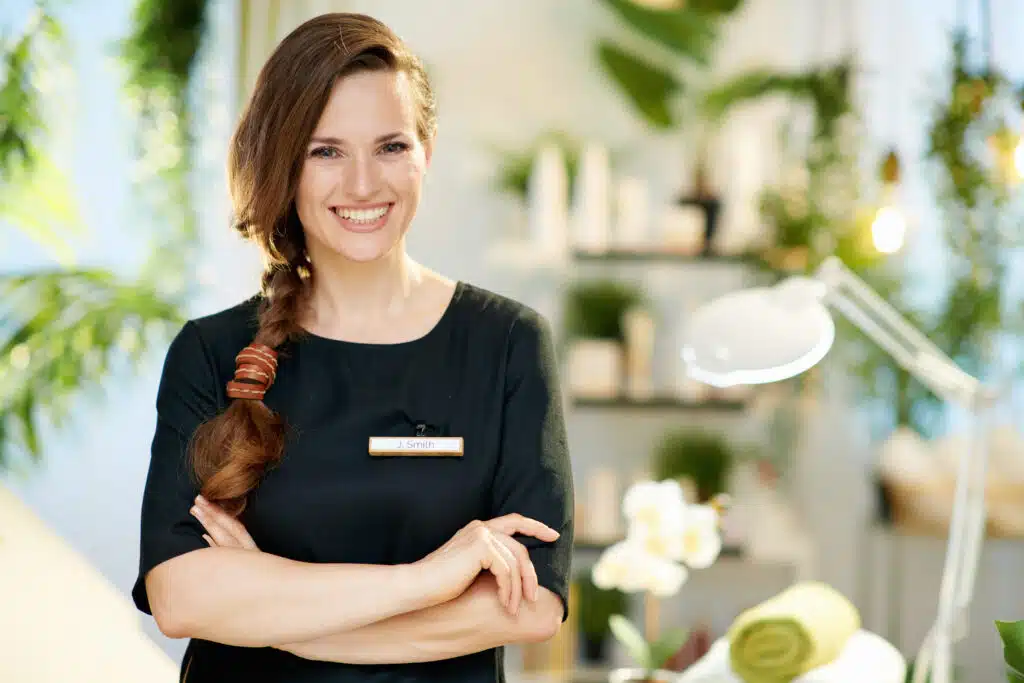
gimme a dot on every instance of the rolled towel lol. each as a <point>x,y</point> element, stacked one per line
<point>802,628</point>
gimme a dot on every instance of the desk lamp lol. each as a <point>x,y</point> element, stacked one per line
<point>768,334</point>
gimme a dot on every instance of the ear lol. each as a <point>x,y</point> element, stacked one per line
<point>428,149</point>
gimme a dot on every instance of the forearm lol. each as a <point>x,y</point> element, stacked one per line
<point>254,599</point>
<point>472,622</point>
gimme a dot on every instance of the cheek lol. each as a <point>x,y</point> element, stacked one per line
<point>407,176</point>
<point>314,186</point>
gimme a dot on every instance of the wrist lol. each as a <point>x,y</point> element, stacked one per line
<point>409,584</point>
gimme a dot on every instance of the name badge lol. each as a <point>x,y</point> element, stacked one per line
<point>416,445</point>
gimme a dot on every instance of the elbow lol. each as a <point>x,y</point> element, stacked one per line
<point>169,626</point>
<point>168,610</point>
<point>546,620</point>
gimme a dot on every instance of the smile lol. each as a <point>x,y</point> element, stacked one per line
<point>362,219</point>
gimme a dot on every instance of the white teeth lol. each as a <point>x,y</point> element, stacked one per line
<point>361,215</point>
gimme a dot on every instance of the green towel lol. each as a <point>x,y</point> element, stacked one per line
<point>802,628</point>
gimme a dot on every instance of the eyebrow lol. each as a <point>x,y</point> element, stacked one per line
<point>329,140</point>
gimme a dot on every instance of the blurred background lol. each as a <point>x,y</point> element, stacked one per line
<point>612,163</point>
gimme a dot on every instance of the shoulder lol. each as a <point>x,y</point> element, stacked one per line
<point>501,315</point>
<point>216,338</point>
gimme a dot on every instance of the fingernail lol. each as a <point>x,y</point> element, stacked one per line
<point>195,511</point>
<point>200,500</point>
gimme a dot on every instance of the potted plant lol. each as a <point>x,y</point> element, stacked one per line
<point>594,313</point>
<point>596,607</point>
<point>700,456</point>
<point>666,538</point>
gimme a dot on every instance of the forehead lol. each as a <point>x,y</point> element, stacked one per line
<point>366,104</point>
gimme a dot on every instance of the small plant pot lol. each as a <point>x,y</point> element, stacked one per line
<point>595,368</point>
<point>628,675</point>
<point>595,649</point>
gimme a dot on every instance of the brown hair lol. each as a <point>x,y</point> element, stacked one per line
<point>232,451</point>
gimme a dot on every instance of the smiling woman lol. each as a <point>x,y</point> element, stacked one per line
<point>312,554</point>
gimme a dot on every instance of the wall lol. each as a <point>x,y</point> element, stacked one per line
<point>504,72</point>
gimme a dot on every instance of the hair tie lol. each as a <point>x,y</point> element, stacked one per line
<point>255,369</point>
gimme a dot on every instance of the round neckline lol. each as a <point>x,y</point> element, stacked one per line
<point>441,323</point>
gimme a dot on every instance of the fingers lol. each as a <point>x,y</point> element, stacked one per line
<point>222,527</point>
<point>513,595</point>
<point>517,524</point>
<point>216,535</point>
<point>497,562</point>
<point>528,573</point>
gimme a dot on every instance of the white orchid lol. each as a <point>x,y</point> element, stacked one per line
<point>664,537</point>
<point>701,541</point>
<point>629,567</point>
<point>654,508</point>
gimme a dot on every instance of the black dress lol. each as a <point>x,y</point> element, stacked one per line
<point>486,372</point>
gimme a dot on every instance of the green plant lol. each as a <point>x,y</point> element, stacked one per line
<point>63,329</point>
<point>701,455</point>
<point>1012,635</point>
<point>594,308</point>
<point>596,606</point>
<point>648,655</point>
<point>650,75</point>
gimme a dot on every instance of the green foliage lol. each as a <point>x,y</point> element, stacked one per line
<point>60,333</point>
<point>650,656</point>
<point>63,331</point>
<point>594,308</point>
<point>826,90</point>
<point>597,605</point>
<point>703,456</point>
<point>1012,635</point>
<point>649,87</point>
<point>22,125</point>
<point>673,37</point>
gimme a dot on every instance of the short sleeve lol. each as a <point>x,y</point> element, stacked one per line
<point>534,476</point>
<point>186,397</point>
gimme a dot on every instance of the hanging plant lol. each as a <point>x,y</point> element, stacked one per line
<point>62,330</point>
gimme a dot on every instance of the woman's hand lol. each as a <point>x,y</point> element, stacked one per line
<point>486,546</point>
<point>222,530</point>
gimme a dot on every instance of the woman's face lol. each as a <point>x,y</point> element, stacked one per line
<point>363,169</point>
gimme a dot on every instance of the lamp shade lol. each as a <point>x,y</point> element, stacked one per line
<point>759,335</point>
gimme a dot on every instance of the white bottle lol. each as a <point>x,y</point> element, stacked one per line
<point>548,202</point>
<point>592,199</point>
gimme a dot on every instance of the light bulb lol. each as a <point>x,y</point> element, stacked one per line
<point>888,230</point>
<point>1018,157</point>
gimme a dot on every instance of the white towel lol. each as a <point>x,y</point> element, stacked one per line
<point>866,657</point>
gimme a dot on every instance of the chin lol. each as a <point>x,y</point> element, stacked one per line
<point>363,248</point>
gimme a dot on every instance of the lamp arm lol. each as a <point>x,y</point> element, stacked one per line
<point>908,346</point>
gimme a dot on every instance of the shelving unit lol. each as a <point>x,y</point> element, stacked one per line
<point>620,255</point>
<point>660,403</point>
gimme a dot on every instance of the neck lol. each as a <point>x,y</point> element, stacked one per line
<point>355,292</point>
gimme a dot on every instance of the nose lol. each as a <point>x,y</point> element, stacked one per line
<point>361,177</point>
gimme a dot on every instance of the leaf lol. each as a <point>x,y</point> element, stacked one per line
<point>1012,635</point>
<point>685,32</point>
<point>648,87</point>
<point>714,6</point>
<point>668,645</point>
<point>750,86</point>
<point>631,639</point>
<point>59,335</point>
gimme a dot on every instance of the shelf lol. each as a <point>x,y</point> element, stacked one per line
<point>661,403</point>
<point>586,546</point>
<point>661,256</point>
